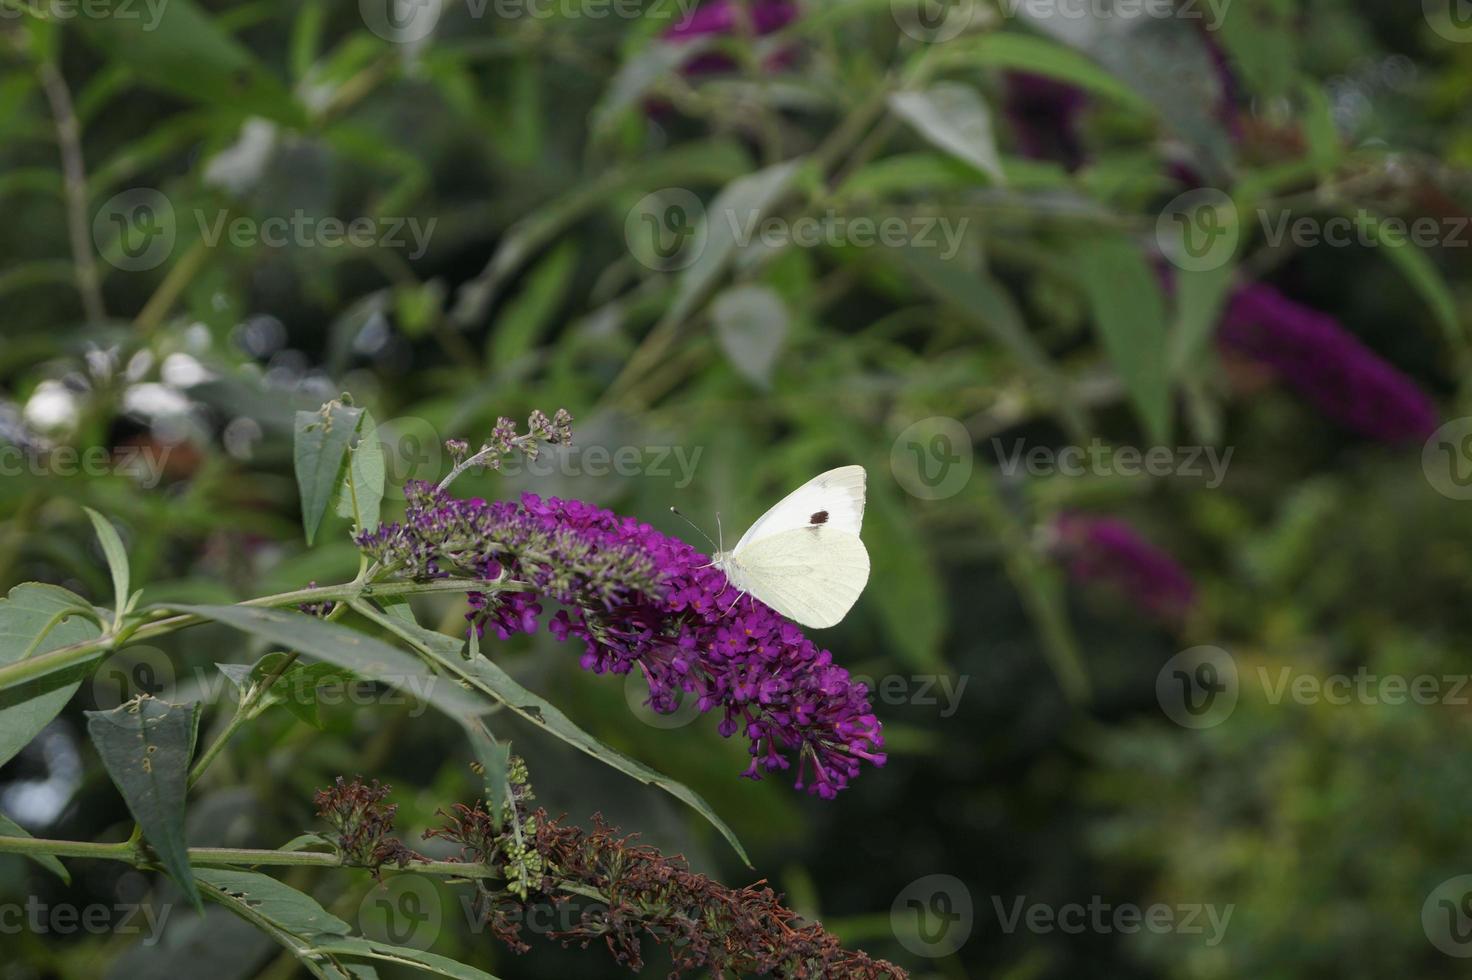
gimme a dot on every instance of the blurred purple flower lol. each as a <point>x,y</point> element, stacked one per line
<point>1044,116</point>
<point>1106,550</point>
<point>724,17</point>
<point>640,599</point>
<point>1326,364</point>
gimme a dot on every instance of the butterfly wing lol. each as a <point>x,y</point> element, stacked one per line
<point>811,574</point>
<point>834,499</point>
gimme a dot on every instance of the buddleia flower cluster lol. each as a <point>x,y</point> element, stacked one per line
<point>356,811</point>
<point>631,892</point>
<point>639,600</point>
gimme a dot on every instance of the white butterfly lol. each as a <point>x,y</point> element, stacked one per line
<point>804,557</point>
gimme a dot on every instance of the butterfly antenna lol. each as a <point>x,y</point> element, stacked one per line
<point>676,512</point>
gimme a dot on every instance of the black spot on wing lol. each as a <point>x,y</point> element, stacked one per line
<point>821,517</point>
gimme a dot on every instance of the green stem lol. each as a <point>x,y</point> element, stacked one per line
<point>227,856</point>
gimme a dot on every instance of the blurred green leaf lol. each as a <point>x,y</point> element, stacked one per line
<point>954,118</point>
<point>1129,314</point>
<point>739,206</point>
<point>751,323</point>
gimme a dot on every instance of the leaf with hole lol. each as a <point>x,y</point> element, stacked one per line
<point>146,745</point>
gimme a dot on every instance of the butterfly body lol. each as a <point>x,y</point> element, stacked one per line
<point>804,557</point>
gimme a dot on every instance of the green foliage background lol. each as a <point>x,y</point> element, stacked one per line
<point>527,141</point>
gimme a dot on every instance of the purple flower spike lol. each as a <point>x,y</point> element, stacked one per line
<point>641,600</point>
<point>1327,365</point>
<point>1110,551</point>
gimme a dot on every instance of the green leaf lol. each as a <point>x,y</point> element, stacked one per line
<point>490,678</point>
<point>524,320</point>
<point>178,48</point>
<point>1129,314</point>
<point>50,862</point>
<point>146,745</point>
<point>322,440</point>
<point>117,562</point>
<point>751,322</point>
<point>265,897</point>
<point>37,618</point>
<point>415,959</point>
<point>954,118</point>
<point>360,498</point>
<point>364,655</point>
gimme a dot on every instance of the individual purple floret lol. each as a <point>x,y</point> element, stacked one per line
<point>640,599</point>
<point>1106,550</point>
<point>1327,365</point>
